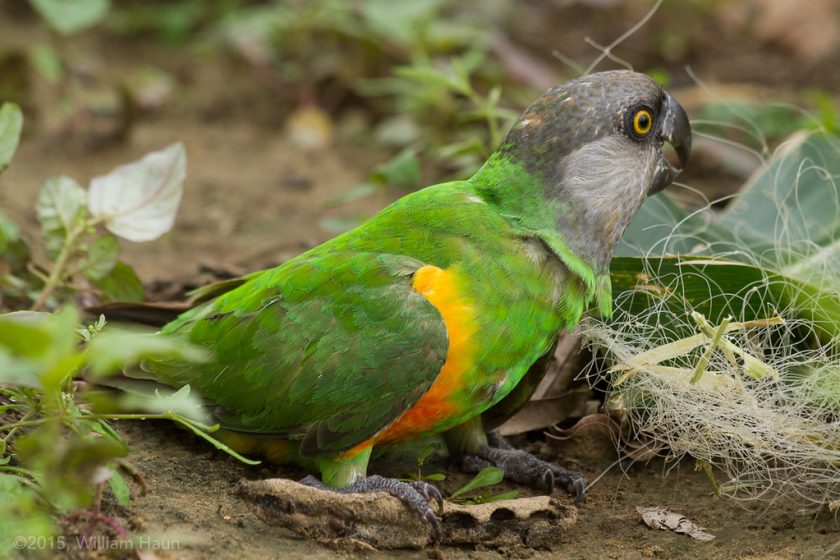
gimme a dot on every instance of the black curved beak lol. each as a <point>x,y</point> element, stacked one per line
<point>675,129</point>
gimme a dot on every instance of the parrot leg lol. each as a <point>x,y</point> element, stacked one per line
<point>522,467</point>
<point>479,450</point>
<point>416,495</point>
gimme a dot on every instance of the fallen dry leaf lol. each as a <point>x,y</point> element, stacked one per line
<point>661,518</point>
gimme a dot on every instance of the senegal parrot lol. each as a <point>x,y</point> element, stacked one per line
<point>442,309</point>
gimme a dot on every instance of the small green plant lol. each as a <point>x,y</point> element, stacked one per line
<point>487,476</point>
<point>421,460</point>
<point>445,93</point>
<point>137,202</point>
<point>56,446</point>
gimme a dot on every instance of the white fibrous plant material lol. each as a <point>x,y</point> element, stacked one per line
<point>743,397</point>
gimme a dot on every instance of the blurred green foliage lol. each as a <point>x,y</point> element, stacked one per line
<point>55,447</point>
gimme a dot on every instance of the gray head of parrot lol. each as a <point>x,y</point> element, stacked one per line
<point>597,144</point>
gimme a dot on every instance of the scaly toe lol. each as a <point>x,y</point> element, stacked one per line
<point>430,492</point>
<point>415,495</point>
<point>524,468</point>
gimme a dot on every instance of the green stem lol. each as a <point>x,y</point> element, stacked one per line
<point>201,430</point>
<point>157,416</point>
<point>23,424</point>
<point>17,425</point>
<point>57,273</point>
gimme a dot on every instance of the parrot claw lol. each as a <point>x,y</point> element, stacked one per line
<point>433,520</point>
<point>522,467</point>
<point>430,492</point>
<point>415,495</point>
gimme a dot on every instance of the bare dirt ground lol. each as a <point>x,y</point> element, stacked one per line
<point>253,198</point>
<point>191,500</point>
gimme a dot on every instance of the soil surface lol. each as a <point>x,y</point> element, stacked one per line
<point>253,199</point>
<point>191,500</point>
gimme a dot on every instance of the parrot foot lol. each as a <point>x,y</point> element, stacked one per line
<point>416,495</point>
<point>522,467</point>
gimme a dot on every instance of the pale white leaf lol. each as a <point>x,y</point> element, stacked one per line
<point>138,201</point>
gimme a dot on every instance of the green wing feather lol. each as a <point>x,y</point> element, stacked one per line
<point>330,348</point>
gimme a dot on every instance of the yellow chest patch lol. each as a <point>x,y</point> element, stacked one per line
<point>441,288</point>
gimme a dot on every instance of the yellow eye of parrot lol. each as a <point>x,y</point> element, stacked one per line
<point>642,122</point>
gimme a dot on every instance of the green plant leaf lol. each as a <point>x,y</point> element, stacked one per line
<point>789,214</point>
<point>120,488</point>
<point>489,498</point>
<point>15,370</point>
<point>11,124</point>
<point>60,204</point>
<point>66,467</point>
<point>486,477</point>
<point>402,171</point>
<point>165,401</point>
<point>13,249</point>
<point>101,258</point>
<point>23,334</point>
<point>21,514</point>
<point>775,247</point>
<point>46,62</point>
<point>71,16</point>
<point>114,349</point>
<point>121,284</point>
<point>104,429</point>
<point>398,21</point>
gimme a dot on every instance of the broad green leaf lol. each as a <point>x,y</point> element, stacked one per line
<point>71,16</point>
<point>60,204</point>
<point>41,343</point>
<point>121,284</point>
<point>113,349</point>
<point>101,258</point>
<point>716,288</point>
<point>789,214</point>
<point>21,335</point>
<point>486,477</point>
<point>11,123</point>
<point>138,201</point>
<point>775,248</point>
<point>18,370</point>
